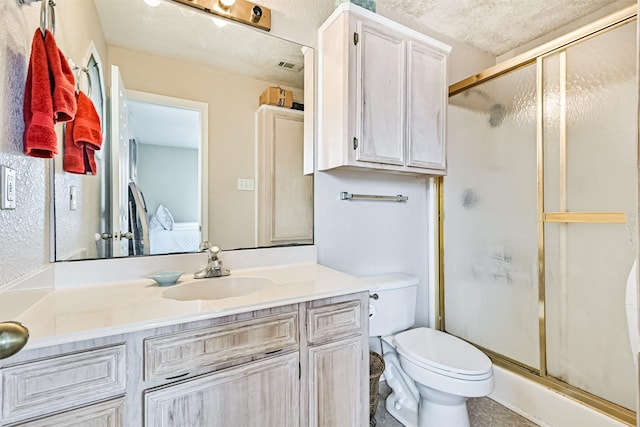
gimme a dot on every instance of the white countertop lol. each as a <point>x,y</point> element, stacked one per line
<point>66,315</point>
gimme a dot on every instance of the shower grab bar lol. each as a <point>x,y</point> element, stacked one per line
<point>349,196</point>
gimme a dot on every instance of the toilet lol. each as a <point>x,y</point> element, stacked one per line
<point>431,373</point>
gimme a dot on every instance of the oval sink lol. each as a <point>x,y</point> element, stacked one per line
<point>217,288</point>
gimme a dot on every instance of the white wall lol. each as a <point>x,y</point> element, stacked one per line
<point>169,176</point>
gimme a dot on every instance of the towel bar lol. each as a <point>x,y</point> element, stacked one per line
<point>349,196</point>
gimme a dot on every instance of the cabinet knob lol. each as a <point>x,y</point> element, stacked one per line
<point>13,336</point>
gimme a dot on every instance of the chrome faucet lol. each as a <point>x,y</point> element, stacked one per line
<point>214,264</point>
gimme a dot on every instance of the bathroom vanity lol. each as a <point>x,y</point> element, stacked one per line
<point>293,354</point>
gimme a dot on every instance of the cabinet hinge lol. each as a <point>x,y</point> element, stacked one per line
<point>356,38</point>
<point>355,143</point>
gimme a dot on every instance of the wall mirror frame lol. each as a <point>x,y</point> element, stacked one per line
<point>175,52</point>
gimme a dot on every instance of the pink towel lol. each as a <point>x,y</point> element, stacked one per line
<point>39,134</point>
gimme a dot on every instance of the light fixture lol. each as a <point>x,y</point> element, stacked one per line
<point>243,11</point>
<point>153,3</point>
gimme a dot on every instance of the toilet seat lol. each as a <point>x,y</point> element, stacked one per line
<point>443,354</point>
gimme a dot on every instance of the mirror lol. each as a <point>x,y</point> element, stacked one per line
<point>188,154</point>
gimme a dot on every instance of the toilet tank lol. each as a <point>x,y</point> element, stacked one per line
<point>392,303</point>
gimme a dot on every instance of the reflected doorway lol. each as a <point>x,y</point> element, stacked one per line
<point>168,165</point>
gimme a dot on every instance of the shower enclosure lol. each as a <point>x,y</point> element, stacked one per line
<point>540,205</point>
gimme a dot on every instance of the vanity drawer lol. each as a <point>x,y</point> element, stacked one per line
<point>105,414</point>
<point>187,352</point>
<point>333,321</point>
<point>46,386</point>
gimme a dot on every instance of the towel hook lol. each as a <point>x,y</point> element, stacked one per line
<point>84,70</point>
<point>79,70</point>
<point>45,7</point>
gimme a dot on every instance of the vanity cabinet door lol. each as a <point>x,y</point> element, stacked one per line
<point>335,384</point>
<point>264,393</point>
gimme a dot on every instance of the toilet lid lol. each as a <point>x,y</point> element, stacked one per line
<point>442,351</point>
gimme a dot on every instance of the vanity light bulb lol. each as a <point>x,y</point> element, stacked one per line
<point>153,3</point>
<point>227,3</point>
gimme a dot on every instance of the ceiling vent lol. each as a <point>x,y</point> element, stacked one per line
<point>289,66</point>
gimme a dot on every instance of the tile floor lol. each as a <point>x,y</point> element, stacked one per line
<point>483,412</point>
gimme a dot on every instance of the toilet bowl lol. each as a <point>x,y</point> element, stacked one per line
<point>431,373</point>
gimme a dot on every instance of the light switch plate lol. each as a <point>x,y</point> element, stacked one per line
<point>7,188</point>
<point>73,198</point>
<point>245,184</point>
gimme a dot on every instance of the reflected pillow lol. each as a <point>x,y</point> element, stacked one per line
<point>162,219</point>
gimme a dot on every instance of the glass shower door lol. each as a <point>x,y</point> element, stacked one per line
<point>539,216</point>
<point>491,255</point>
<point>590,137</point>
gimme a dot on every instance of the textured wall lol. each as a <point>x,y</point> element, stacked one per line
<point>24,244</point>
<point>24,232</point>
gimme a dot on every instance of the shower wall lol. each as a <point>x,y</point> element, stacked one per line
<point>505,236</point>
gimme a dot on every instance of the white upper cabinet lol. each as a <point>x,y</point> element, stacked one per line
<point>383,95</point>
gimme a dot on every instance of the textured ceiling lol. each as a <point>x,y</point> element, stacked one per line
<point>495,26</point>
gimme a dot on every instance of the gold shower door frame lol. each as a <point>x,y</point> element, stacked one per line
<point>537,55</point>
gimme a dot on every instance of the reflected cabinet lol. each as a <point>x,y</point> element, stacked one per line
<point>383,95</point>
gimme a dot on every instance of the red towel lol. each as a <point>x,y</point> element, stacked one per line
<point>83,136</point>
<point>39,134</point>
<point>63,80</point>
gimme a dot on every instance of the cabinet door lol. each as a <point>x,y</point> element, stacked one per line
<point>426,105</point>
<point>263,393</point>
<point>285,195</point>
<point>336,396</point>
<point>380,95</point>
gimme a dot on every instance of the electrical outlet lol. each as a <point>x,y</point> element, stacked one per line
<point>246,184</point>
<point>7,188</point>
